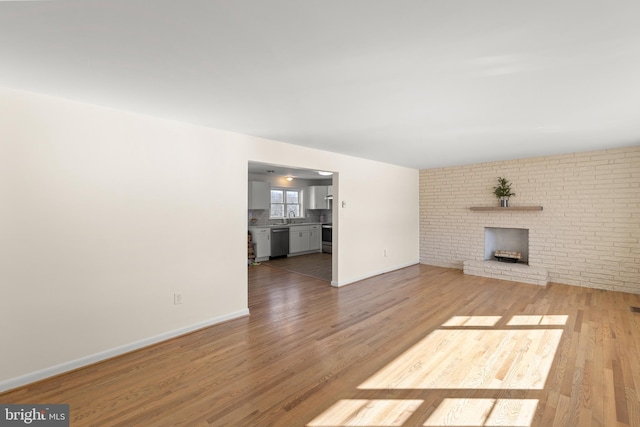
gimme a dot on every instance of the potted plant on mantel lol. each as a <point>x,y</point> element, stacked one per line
<point>503,192</point>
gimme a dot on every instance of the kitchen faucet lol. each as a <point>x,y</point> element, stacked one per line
<point>288,220</point>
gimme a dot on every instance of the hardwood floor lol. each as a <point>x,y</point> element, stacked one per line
<point>316,265</point>
<point>419,346</point>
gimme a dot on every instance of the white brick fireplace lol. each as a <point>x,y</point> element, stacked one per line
<point>506,239</point>
<point>588,233</point>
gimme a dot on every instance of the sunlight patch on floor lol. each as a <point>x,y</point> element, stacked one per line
<point>472,359</point>
<point>551,320</point>
<point>484,412</point>
<point>472,321</point>
<point>367,412</point>
<point>472,353</point>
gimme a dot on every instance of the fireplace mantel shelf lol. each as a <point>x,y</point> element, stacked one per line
<point>509,208</point>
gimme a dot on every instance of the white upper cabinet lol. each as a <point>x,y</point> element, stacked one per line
<point>317,197</point>
<point>259,195</point>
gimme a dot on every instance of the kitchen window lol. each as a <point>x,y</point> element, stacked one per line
<point>286,203</point>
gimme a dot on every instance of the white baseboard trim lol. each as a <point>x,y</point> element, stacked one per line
<point>375,273</point>
<point>116,351</point>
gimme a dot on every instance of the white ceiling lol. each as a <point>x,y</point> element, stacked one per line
<point>420,83</point>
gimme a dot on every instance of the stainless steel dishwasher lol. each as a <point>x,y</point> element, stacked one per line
<point>279,242</point>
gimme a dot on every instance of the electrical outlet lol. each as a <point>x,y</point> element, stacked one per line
<point>177,298</point>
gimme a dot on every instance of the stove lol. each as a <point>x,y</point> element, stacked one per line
<point>327,238</point>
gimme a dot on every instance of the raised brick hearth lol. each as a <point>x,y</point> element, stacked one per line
<point>507,271</point>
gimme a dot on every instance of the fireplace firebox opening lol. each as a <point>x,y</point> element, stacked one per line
<point>508,242</point>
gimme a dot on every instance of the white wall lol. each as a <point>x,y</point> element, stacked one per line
<point>105,214</point>
<point>381,209</point>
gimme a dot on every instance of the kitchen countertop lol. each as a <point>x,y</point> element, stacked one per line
<point>285,225</point>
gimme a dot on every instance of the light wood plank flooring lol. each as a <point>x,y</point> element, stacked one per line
<point>419,346</point>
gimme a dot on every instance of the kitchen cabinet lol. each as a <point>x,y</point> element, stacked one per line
<point>262,238</point>
<point>298,239</point>
<point>315,237</point>
<point>259,195</point>
<point>305,238</point>
<point>317,197</point>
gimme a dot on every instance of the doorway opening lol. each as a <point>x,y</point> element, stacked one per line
<point>302,201</point>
